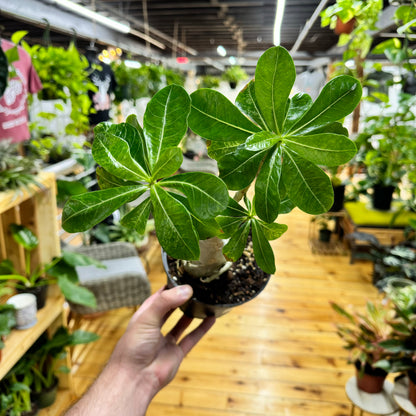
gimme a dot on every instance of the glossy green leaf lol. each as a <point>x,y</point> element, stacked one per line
<point>75,293</point>
<point>165,120</point>
<point>214,117</point>
<point>237,243</point>
<point>299,104</point>
<point>74,259</point>
<point>238,170</point>
<point>174,227</point>
<point>337,99</point>
<point>267,199</point>
<point>261,141</point>
<point>218,149</point>
<point>263,252</point>
<point>81,212</point>
<point>168,163</point>
<point>286,205</point>
<point>24,236</point>
<point>206,193</point>
<point>112,152</point>
<point>334,128</point>
<point>308,186</point>
<point>322,149</point>
<point>107,180</point>
<point>274,79</point>
<point>274,230</point>
<point>247,103</point>
<point>137,142</point>
<point>137,218</point>
<point>232,217</point>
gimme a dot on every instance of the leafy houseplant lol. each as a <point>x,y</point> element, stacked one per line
<point>234,74</point>
<point>268,140</point>
<point>362,334</point>
<point>15,396</point>
<point>60,270</point>
<point>7,321</point>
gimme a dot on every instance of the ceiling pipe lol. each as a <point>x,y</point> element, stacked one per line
<point>309,23</point>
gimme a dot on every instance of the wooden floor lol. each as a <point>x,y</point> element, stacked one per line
<point>277,355</point>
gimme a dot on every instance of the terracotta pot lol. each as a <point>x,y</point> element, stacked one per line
<point>342,27</point>
<point>372,380</point>
<point>199,309</point>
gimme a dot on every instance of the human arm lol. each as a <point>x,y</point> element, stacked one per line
<point>144,360</point>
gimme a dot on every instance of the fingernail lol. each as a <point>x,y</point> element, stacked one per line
<point>184,291</point>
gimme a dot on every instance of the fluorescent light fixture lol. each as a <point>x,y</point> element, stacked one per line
<point>232,60</point>
<point>221,50</point>
<point>280,10</point>
<point>132,64</point>
<point>99,18</point>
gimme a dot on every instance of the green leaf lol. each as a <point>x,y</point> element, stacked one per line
<point>23,236</point>
<point>168,163</point>
<point>214,117</point>
<point>77,259</point>
<point>299,104</point>
<point>218,149</point>
<point>262,249</point>
<point>165,121</point>
<point>106,180</point>
<point>230,219</point>
<point>239,169</point>
<point>307,185</point>
<point>137,218</point>
<point>237,243</point>
<point>261,141</point>
<point>274,79</point>
<point>337,99</point>
<point>206,193</point>
<point>75,293</point>
<point>174,227</point>
<point>247,103</point>
<point>81,212</point>
<point>274,230</point>
<point>322,149</point>
<point>18,36</point>
<point>82,337</point>
<point>112,152</point>
<point>267,199</point>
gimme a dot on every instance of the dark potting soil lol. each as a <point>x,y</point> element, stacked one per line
<point>240,283</point>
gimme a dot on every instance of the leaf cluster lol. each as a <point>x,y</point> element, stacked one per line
<point>234,74</point>
<point>60,270</point>
<point>266,139</point>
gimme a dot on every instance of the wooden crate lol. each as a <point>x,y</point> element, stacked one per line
<point>36,209</point>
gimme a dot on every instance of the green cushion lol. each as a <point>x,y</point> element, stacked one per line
<point>362,214</point>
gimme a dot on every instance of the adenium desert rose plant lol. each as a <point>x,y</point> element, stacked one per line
<point>267,140</point>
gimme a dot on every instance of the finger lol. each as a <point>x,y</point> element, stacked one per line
<point>180,327</point>
<point>158,305</point>
<point>188,342</point>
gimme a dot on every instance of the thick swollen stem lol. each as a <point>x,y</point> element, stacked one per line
<point>211,262</point>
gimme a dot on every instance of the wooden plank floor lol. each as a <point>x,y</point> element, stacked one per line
<point>277,355</point>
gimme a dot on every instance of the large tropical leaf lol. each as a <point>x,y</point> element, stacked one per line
<point>137,218</point>
<point>174,227</point>
<point>165,121</point>
<point>274,79</point>
<point>81,212</point>
<point>262,249</point>
<point>214,117</point>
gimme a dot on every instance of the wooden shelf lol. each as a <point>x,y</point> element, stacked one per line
<point>19,341</point>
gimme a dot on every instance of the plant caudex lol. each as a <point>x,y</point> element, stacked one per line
<point>268,139</point>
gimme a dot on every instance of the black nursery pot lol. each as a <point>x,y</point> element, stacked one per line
<point>46,397</point>
<point>195,308</point>
<point>382,197</point>
<point>41,293</point>
<point>339,192</point>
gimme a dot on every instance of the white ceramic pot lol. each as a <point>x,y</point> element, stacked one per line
<point>25,309</point>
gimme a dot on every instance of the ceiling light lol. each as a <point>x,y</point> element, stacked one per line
<point>132,64</point>
<point>280,9</point>
<point>232,60</point>
<point>99,18</point>
<point>221,50</point>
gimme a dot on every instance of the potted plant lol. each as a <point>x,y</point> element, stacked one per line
<point>323,227</point>
<point>209,81</point>
<point>7,322</point>
<point>362,334</point>
<point>60,270</point>
<point>234,74</point>
<point>387,149</point>
<point>42,362</point>
<point>274,143</point>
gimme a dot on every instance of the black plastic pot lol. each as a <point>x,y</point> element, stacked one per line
<point>197,309</point>
<point>325,235</point>
<point>41,293</point>
<point>382,197</point>
<point>338,204</point>
<point>46,397</point>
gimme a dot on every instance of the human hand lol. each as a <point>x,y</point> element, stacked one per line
<point>144,349</point>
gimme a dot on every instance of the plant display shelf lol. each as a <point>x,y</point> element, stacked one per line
<point>36,209</point>
<point>18,342</point>
<point>336,246</point>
